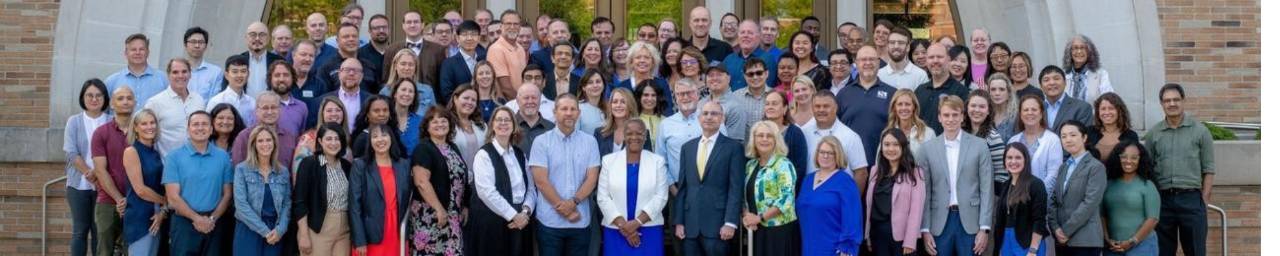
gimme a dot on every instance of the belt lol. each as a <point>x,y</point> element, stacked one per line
<point>954,208</point>
<point>1174,191</point>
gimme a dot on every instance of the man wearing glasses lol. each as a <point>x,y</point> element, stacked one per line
<point>206,79</point>
<point>864,107</point>
<point>379,30</point>
<point>349,92</point>
<point>255,38</point>
<point>746,106</point>
<point>900,72</point>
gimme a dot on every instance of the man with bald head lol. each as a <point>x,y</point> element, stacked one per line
<point>317,30</point>
<point>854,40</point>
<point>255,38</point>
<point>348,91</point>
<point>713,49</point>
<point>940,84</point>
<point>531,121</point>
<point>748,47</point>
<point>864,105</point>
<point>282,42</point>
<point>708,205</point>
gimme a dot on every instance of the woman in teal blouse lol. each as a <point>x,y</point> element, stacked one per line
<point>1131,205</point>
<point>770,205</point>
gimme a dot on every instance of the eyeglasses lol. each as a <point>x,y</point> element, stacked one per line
<point>839,63</point>
<point>258,35</point>
<point>197,42</point>
<point>349,70</point>
<point>689,62</point>
<point>755,73</point>
<point>826,153</point>
<point>502,120</point>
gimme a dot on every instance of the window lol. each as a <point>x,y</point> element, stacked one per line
<point>927,19</point>
<point>789,14</point>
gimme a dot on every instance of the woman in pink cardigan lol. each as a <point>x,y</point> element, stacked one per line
<point>895,197</point>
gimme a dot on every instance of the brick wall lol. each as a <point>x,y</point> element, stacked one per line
<point>1212,47</point>
<point>26,51</point>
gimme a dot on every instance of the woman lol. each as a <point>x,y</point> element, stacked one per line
<point>802,44</point>
<point>467,125</point>
<point>504,192</point>
<point>380,188</point>
<point>642,57</point>
<point>592,57</point>
<point>631,194</point>
<point>591,100</point>
<point>406,111</point>
<point>611,137</point>
<point>79,168</point>
<point>331,112</point>
<point>998,59</point>
<point>1004,105</point>
<point>321,196</point>
<point>1086,80</point>
<point>1043,144</point>
<point>1020,73</point>
<point>978,121</point>
<point>770,186</point>
<point>775,110</point>
<point>144,213</point>
<point>787,65</point>
<point>440,180</point>
<point>1020,210</point>
<point>262,197</point>
<point>1131,205</point>
<point>960,68</point>
<point>1111,126</point>
<point>486,93</point>
<point>653,106</point>
<point>895,197</point>
<point>226,125</point>
<point>828,204</point>
<point>1076,205</point>
<point>917,51</point>
<point>619,58</point>
<point>906,116</point>
<point>670,66</point>
<point>692,65</point>
<point>377,110</point>
<point>405,67</point>
<point>802,92</point>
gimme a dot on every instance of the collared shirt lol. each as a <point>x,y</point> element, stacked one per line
<point>673,132</point>
<point>837,86</point>
<point>508,59</point>
<point>850,140</point>
<point>953,165</point>
<point>201,175</point>
<point>470,59</point>
<point>907,78</point>
<point>332,41</point>
<point>415,46</point>
<point>309,92</point>
<point>532,131</point>
<point>930,97</point>
<point>734,64</point>
<point>206,80</point>
<point>546,107</point>
<point>351,101</point>
<point>243,103</point>
<point>109,142</point>
<point>293,114</point>
<point>286,142</point>
<point>866,111</point>
<point>335,192</point>
<point>566,158</point>
<point>590,117</point>
<point>146,85</point>
<point>742,111</point>
<point>1071,163</point>
<point>454,50</point>
<point>1183,154</point>
<point>171,115</point>
<point>257,74</point>
<point>1051,108</point>
<point>484,183</point>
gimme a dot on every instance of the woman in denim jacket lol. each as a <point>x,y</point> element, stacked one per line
<point>261,196</point>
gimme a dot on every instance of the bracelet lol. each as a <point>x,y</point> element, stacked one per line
<point>1033,250</point>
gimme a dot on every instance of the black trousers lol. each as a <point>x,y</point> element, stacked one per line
<point>1182,221</point>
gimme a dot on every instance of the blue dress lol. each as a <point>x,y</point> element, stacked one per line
<point>248,242</point>
<point>650,237</point>
<point>138,212</point>
<point>830,215</point>
<point>486,108</point>
<point>409,136</point>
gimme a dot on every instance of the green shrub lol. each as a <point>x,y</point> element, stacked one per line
<point>1220,133</point>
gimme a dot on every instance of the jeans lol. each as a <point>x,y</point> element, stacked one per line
<point>147,245</point>
<point>81,204</point>
<point>1148,246</point>
<point>563,241</point>
<point>109,227</point>
<point>954,240</point>
<point>1182,220</point>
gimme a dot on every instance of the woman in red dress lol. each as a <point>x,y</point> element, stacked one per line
<point>379,195</point>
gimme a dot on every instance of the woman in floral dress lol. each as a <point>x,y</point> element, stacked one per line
<point>440,177</point>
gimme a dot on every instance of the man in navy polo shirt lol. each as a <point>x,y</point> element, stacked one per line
<point>864,104</point>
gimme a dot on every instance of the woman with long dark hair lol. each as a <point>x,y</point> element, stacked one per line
<point>1111,125</point>
<point>802,45</point>
<point>227,123</point>
<point>591,100</point>
<point>1131,205</point>
<point>916,52</point>
<point>1021,203</point>
<point>440,177</point>
<point>775,110</point>
<point>468,124</point>
<point>895,197</point>
<point>377,110</point>
<point>592,57</point>
<point>670,66</point>
<point>998,59</point>
<point>979,121</point>
<point>380,187</point>
<point>652,104</point>
<point>321,195</point>
<point>961,68</point>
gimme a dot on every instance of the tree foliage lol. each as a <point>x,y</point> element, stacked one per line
<point>789,13</point>
<point>650,11</point>
<point>293,13</point>
<point>433,10</point>
<point>578,13</point>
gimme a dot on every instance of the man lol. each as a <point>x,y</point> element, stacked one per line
<point>453,17</point>
<point>602,29</point>
<point>1075,210</point>
<point>444,34</point>
<point>1059,108</point>
<point>507,57</point>
<point>144,80</point>
<point>729,28</point>
<point>306,89</point>
<point>268,111</point>
<point>748,48</point>
<point>957,172</point>
<point>543,38</point>
<point>206,79</point>
<point>864,106</point>
<point>565,165</point>
<point>529,118</point>
<point>317,29</point>
<point>940,84</point>
<point>746,106</point>
<point>173,105</point>
<point>708,204</point>
<point>769,35</point>
<point>647,32</point>
<point>900,72</point>
<point>717,85</point>
<point>525,37</point>
<point>349,92</point>
<point>197,181</point>
<point>374,52</point>
<point>533,76</point>
<point>107,147</point>
<point>255,38</point>
<point>431,55</point>
<point>841,63</point>
<point>353,14</point>
<point>457,69</point>
<point>843,31</point>
<point>679,128</point>
<point>980,43</point>
<point>293,110</point>
<point>349,46</point>
<point>561,78</point>
<point>483,17</point>
<point>1183,150</point>
<point>855,39</point>
<point>713,49</point>
<point>812,25</point>
<point>558,32</point>
<point>492,33</point>
<point>667,29</point>
<point>880,37</point>
<point>234,94</point>
<point>825,124</point>
<point>282,41</point>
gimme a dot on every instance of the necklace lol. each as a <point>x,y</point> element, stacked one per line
<point>818,179</point>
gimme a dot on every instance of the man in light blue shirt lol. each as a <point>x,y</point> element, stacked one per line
<point>142,78</point>
<point>206,78</point>
<point>197,181</point>
<point>678,128</point>
<point>566,165</point>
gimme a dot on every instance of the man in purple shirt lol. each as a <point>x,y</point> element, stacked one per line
<point>268,114</point>
<point>293,112</point>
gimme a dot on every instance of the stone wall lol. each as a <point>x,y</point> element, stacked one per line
<point>1213,48</point>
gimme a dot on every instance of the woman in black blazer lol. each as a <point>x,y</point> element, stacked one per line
<point>1110,126</point>
<point>380,185</point>
<point>321,195</point>
<point>1021,207</point>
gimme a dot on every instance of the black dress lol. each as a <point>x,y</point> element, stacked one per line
<point>881,233</point>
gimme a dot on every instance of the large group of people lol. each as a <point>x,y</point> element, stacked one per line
<point>492,136</point>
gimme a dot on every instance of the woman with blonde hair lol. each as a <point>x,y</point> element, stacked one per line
<point>405,66</point>
<point>621,107</point>
<point>828,205</point>
<point>770,208</point>
<point>144,214</point>
<point>802,91</point>
<point>1004,104</point>
<point>262,196</point>
<point>905,114</point>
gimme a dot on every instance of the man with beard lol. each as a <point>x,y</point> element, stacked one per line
<point>293,110</point>
<point>714,49</point>
<point>900,72</point>
<point>507,57</point>
<point>348,36</point>
<point>557,32</point>
<point>349,93</point>
<point>256,39</point>
<point>379,29</point>
<point>306,89</point>
<point>430,53</point>
<point>940,85</point>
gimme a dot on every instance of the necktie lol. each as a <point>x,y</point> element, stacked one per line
<point>1077,86</point>
<point>703,151</point>
<point>1071,164</point>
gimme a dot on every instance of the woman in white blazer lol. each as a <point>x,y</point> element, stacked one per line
<point>631,193</point>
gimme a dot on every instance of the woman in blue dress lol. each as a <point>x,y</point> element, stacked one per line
<point>262,197</point>
<point>829,206</point>
<point>631,193</point>
<point>144,212</point>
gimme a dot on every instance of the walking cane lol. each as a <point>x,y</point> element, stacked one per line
<point>751,242</point>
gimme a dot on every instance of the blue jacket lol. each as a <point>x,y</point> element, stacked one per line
<point>367,207</point>
<point>248,193</point>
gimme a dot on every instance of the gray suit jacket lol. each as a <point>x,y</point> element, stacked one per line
<point>1072,109</point>
<point>1076,208</point>
<point>973,184</point>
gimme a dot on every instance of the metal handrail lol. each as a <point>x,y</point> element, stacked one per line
<point>44,214</point>
<point>1223,215</point>
<point>1231,125</point>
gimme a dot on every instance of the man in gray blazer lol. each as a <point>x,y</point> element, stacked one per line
<point>1058,107</point>
<point>1074,208</point>
<point>957,174</point>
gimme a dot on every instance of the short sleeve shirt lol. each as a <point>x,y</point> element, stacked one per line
<point>508,60</point>
<point>567,159</point>
<point>109,141</point>
<point>199,175</point>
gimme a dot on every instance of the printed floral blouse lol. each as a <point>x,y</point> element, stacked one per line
<point>772,185</point>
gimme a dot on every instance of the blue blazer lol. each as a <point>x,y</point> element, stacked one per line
<point>704,205</point>
<point>453,73</point>
<point>366,206</point>
<point>661,83</point>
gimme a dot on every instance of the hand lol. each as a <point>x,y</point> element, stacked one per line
<point>574,217</point>
<point>1061,236</point>
<point>304,242</point>
<point>632,226</point>
<point>905,251</point>
<point>1124,246</point>
<point>120,205</point>
<point>980,242</point>
<point>680,231</point>
<point>156,221</point>
<point>929,245</point>
<point>362,250</point>
<point>673,189</point>
<point>91,177</point>
<point>441,219</point>
<point>273,237</point>
<point>750,221</point>
<point>518,222</point>
<point>634,239</point>
<point>726,232</point>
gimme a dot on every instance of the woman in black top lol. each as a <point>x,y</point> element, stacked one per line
<point>1110,126</point>
<point>320,195</point>
<point>1021,204</point>
<point>440,179</point>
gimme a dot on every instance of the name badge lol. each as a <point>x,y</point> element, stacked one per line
<point>308,94</point>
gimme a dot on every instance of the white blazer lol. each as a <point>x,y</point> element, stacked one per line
<point>651,196</point>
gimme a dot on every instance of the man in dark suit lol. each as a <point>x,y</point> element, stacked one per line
<point>375,50</point>
<point>349,93</point>
<point>709,195</point>
<point>458,69</point>
<point>255,38</point>
<point>430,54</point>
<point>560,78</point>
<point>1057,106</point>
<point>558,31</point>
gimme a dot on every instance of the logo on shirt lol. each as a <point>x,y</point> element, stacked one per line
<point>882,95</point>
